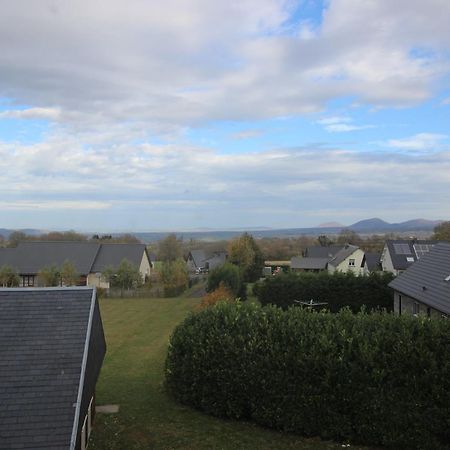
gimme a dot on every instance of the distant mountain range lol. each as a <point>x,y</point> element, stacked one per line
<point>367,226</point>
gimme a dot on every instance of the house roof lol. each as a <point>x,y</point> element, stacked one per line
<point>319,251</point>
<point>427,280</point>
<point>44,341</point>
<point>309,263</point>
<point>372,260</point>
<point>113,254</point>
<point>198,257</point>
<point>31,257</point>
<point>342,254</point>
<point>404,252</point>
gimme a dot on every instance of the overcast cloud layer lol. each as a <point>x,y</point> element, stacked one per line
<point>312,114</point>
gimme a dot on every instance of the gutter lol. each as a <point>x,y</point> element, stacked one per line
<point>73,440</point>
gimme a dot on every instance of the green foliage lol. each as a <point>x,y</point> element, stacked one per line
<point>338,290</point>
<point>378,379</point>
<point>69,274</point>
<point>49,276</point>
<point>228,274</point>
<point>442,232</point>
<point>127,276</point>
<point>8,276</point>
<point>170,249</point>
<point>245,253</point>
<point>174,277</point>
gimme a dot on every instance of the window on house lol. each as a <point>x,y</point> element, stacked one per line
<point>351,263</point>
<point>429,312</point>
<point>28,280</point>
<point>399,305</point>
<point>416,308</point>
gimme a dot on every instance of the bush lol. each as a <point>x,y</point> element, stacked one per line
<point>227,274</point>
<point>338,290</point>
<point>375,379</point>
<point>221,294</point>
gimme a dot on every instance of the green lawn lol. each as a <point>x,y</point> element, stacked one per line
<point>137,332</point>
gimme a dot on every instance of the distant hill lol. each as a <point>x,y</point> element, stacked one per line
<point>331,225</point>
<point>379,225</point>
<point>366,226</point>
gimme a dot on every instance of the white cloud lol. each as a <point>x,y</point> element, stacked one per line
<point>338,124</point>
<point>247,134</point>
<point>154,186</point>
<point>421,141</point>
<point>52,114</point>
<point>172,64</point>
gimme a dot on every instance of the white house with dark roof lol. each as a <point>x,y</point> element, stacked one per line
<point>424,287</point>
<point>51,351</point>
<point>89,259</point>
<point>399,254</point>
<point>336,258</point>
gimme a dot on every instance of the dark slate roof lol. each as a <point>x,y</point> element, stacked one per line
<point>401,260</point>
<point>113,254</point>
<point>43,341</point>
<point>322,252</point>
<point>309,263</point>
<point>31,257</point>
<point>198,257</point>
<point>425,280</point>
<point>87,257</point>
<point>372,260</point>
<point>7,256</point>
<point>343,253</point>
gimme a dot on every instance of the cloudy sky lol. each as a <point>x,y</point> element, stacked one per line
<point>180,114</point>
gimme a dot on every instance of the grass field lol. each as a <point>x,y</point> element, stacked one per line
<point>137,333</point>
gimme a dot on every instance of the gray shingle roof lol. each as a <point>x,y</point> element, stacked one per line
<point>322,252</point>
<point>400,260</point>
<point>31,257</point>
<point>87,257</point>
<point>425,279</point>
<point>372,260</point>
<point>342,254</point>
<point>113,254</point>
<point>43,335</point>
<point>309,263</point>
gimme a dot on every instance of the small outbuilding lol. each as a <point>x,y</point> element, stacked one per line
<point>51,351</point>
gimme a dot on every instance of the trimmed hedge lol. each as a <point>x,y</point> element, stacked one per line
<point>374,379</point>
<point>339,290</point>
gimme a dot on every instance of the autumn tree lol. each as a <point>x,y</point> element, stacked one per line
<point>15,237</point>
<point>347,236</point>
<point>245,253</point>
<point>442,232</point>
<point>8,276</point>
<point>170,248</point>
<point>174,277</point>
<point>49,276</point>
<point>69,274</point>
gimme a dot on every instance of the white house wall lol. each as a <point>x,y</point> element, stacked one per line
<point>145,267</point>
<point>386,262</point>
<point>358,256</point>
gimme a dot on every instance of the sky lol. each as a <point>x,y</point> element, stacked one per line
<point>193,114</point>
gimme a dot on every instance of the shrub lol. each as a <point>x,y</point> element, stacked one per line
<point>338,290</point>
<point>376,379</point>
<point>227,274</point>
<point>221,294</point>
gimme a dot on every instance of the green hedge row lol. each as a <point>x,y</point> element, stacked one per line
<point>374,379</point>
<point>338,290</point>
